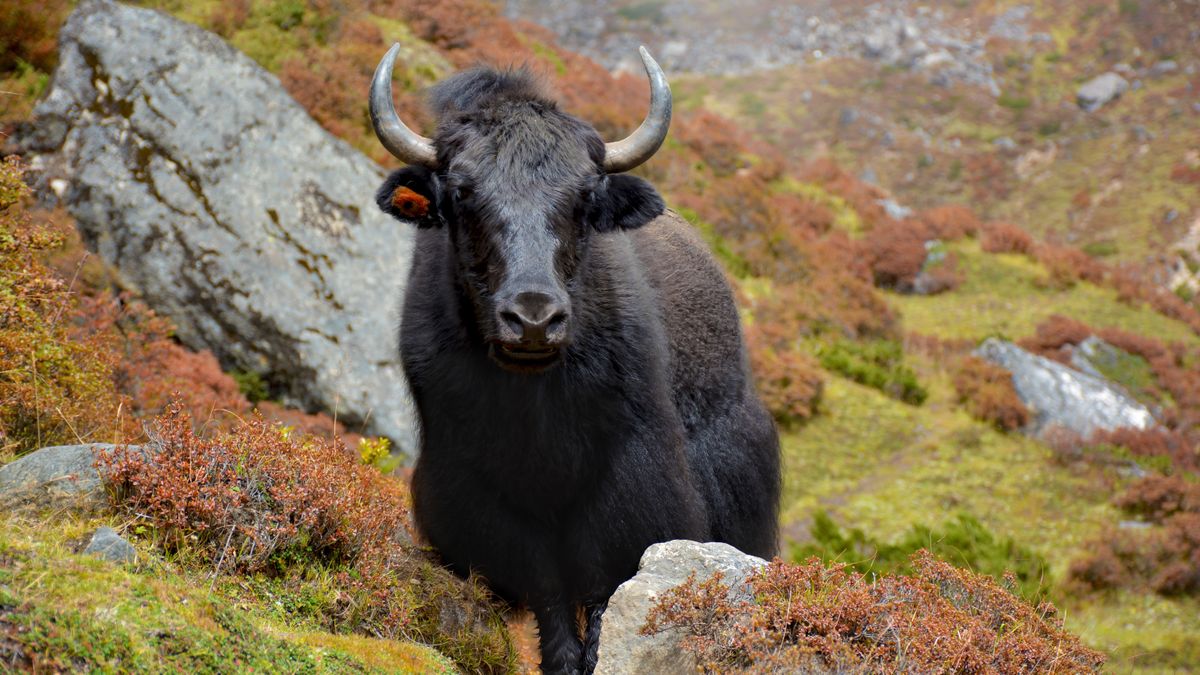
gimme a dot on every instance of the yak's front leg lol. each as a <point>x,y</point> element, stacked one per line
<point>562,652</point>
<point>591,635</point>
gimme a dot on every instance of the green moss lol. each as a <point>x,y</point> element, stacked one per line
<point>1004,295</point>
<point>266,43</point>
<point>962,541</point>
<point>879,364</point>
<point>79,613</point>
<point>252,385</point>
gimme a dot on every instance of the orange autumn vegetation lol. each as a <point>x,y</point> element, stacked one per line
<point>814,617</point>
<point>1164,558</point>
<point>987,392</point>
<point>258,498</point>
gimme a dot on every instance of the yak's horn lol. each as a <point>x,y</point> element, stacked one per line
<point>407,145</point>
<point>647,138</point>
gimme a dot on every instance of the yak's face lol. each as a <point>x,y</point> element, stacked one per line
<point>522,192</point>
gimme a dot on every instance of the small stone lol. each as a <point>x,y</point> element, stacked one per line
<point>895,209</point>
<point>107,545</point>
<point>1005,143</point>
<point>1099,90</point>
<point>1164,68</point>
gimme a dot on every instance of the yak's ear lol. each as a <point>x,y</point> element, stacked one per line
<point>625,202</point>
<point>412,194</point>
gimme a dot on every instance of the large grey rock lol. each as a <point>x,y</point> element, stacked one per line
<point>623,650</point>
<point>1059,396</point>
<point>1099,90</point>
<point>106,544</point>
<point>189,168</point>
<point>59,476</point>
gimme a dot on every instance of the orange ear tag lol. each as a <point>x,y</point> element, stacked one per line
<point>410,203</point>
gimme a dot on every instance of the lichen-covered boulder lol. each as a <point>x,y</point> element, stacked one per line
<point>59,476</point>
<point>623,649</point>
<point>216,196</point>
<point>1063,397</point>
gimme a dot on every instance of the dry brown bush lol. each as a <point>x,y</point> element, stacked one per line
<point>988,393</point>
<point>818,618</point>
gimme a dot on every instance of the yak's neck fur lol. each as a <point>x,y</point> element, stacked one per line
<point>543,437</point>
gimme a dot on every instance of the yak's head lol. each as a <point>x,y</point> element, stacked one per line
<point>521,187</point>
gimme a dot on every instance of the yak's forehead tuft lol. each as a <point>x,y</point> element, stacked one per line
<point>482,88</point>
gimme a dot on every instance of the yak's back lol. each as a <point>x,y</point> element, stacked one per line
<point>708,363</point>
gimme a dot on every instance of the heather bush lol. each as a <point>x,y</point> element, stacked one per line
<point>963,542</point>
<point>262,501</point>
<point>1066,265</point>
<point>1164,558</point>
<point>878,364</point>
<point>1006,238</point>
<point>814,617</point>
<point>988,393</point>
<point>896,250</point>
<point>950,223</point>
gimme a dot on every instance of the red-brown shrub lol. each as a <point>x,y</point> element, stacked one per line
<point>788,380</point>
<point>896,253</point>
<point>1164,558</point>
<point>1154,442</point>
<point>863,197</point>
<point>1006,238</point>
<point>988,393</point>
<point>818,618</point>
<point>1186,174</point>
<point>1055,337</point>
<point>229,16</point>
<point>1066,265</point>
<point>256,498</point>
<point>950,223</point>
<point>28,32</point>
<point>1157,498</point>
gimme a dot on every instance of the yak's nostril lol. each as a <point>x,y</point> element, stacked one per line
<point>513,321</point>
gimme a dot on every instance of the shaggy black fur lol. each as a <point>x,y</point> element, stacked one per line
<point>550,478</point>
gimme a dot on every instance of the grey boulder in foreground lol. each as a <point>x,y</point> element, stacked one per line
<point>623,650</point>
<point>190,169</point>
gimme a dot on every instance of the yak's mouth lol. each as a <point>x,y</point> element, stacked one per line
<point>524,359</point>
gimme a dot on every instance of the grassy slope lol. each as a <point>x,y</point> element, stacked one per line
<point>61,607</point>
<point>1005,295</point>
<point>881,465</point>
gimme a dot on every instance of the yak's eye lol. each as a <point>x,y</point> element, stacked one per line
<point>463,193</point>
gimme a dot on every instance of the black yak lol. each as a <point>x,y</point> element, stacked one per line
<point>574,354</point>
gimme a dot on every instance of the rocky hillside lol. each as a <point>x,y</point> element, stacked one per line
<point>952,269</point>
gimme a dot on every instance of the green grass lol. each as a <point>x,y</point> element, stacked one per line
<point>60,608</point>
<point>883,466</point>
<point>1002,295</point>
<point>1142,633</point>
